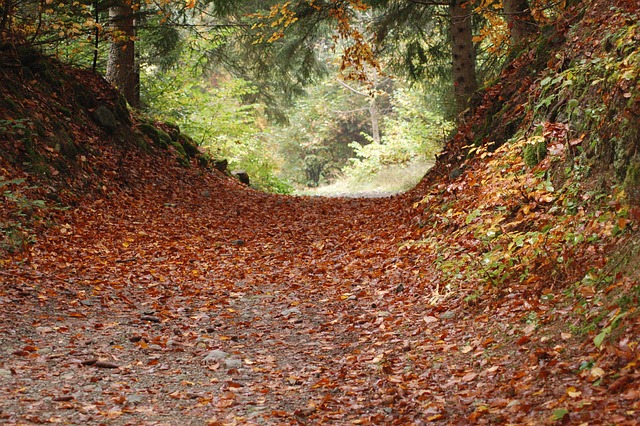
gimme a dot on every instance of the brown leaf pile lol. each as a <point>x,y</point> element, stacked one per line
<point>173,295</point>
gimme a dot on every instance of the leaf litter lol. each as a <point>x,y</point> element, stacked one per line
<point>143,314</point>
<point>173,295</point>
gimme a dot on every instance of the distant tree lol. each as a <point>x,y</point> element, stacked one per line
<point>302,18</point>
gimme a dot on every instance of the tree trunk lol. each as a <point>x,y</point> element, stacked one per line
<point>463,53</point>
<point>519,19</point>
<point>121,64</point>
<point>5,13</point>
<point>374,111</point>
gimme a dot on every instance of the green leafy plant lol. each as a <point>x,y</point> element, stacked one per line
<point>606,331</point>
<point>217,115</point>
<point>412,133</point>
<point>16,231</point>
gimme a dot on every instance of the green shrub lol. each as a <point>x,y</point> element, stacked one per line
<point>534,153</point>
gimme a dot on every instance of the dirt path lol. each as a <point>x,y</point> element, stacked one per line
<point>121,312</point>
<point>235,307</point>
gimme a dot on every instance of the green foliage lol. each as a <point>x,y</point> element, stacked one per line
<point>18,127</point>
<point>16,231</point>
<point>314,143</point>
<point>589,95</point>
<point>606,331</point>
<point>215,115</point>
<point>152,133</point>
<point>559,414</point>
<point>632,181</point>
<point>160,44</point>
<point>413,39</point>
<point>412,133</point>
<point>533,153</point>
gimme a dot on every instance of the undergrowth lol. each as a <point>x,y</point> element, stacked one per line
<point>540,213</point>
<point>20,215</point>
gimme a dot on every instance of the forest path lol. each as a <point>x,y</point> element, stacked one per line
<point>238,307</point>
<point>149,286</point>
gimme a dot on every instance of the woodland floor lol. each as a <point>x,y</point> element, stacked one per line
<point>222,305</point>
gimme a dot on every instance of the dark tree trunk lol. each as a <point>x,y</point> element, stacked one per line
<point>463,53</point>
<point>121,65</point>
<point>519,19</point>
<point>5,13</point>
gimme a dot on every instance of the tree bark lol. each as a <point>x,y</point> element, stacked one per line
<point>121,64</point>
<point>5,13</point>
<point>463,54</point>
<point>374,112</point>
<point>519,19</point>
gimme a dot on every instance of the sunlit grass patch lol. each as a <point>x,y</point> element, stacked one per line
<point>388,181</point>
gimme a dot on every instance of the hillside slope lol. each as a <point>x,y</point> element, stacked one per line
<point>139,285</point>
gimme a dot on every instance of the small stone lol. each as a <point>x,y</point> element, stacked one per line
<point>233,363</point>
<point>242,176</point>
<point>134,399</point>
<point>63,398</point>
<point>221,165</point>
<point>105,118</point>
<point>290,311</point>
<point>106,364</point>
<point>513,403</point>
<point>448,315</point>
<point>216,355</point>
<point>5,373</point>
<point>155,347</point>
<point>150,318</point>
<point>44,351</point>
<point>194,395</point>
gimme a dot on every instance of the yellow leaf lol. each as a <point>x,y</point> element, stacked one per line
<point>573,392</point>
<point>190,4</point>
<point>466,349</point>
<point>377,359</point>
<point>597,372</point>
